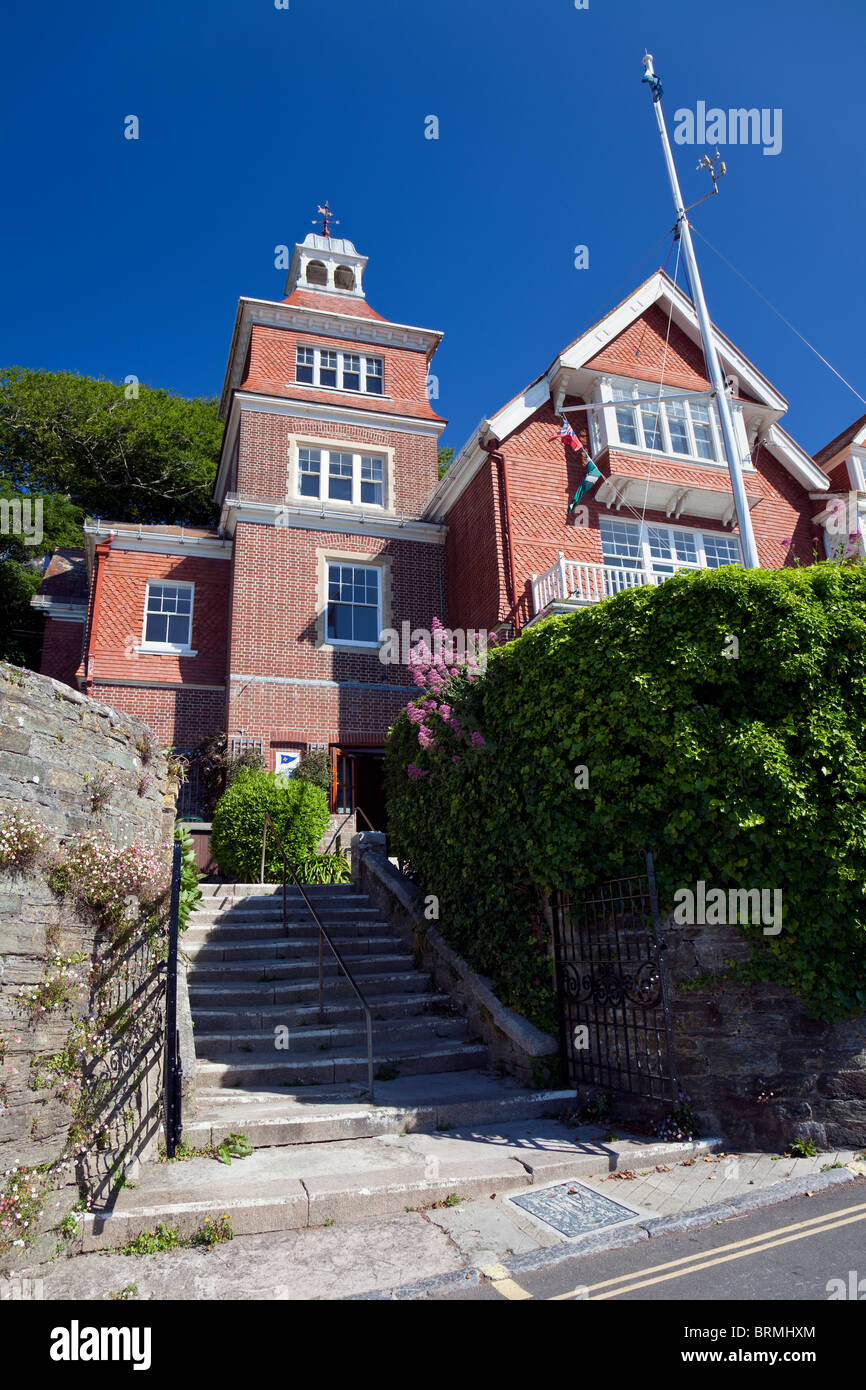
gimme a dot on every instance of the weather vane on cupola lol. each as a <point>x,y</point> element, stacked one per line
<point>327,218</point>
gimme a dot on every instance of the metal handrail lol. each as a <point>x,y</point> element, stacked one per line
<point>347,816</point>
<point>323,934</point>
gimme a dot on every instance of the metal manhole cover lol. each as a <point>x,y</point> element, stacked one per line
<point>573,1209</point>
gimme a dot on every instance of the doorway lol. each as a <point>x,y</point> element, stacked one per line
<point>358,784</point>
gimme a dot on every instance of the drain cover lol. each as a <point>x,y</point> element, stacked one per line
<point>573,1209</point>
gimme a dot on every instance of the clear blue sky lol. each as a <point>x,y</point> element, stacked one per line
<point>127,257</point>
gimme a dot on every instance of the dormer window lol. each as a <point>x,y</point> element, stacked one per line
<point>317,273</point>
<point>686,427</point>
<point>340,371</point>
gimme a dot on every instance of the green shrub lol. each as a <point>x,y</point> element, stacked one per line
<point>298,809</point>
<point>315,767</point>
<point>325,868</point>
<point>190,893</point>
<point>744,772</point>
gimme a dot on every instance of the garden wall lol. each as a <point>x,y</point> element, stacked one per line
<point>81,1063</point>
<point>758,1069</point>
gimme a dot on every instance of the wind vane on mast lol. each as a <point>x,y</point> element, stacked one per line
<point>733,450</point>
<point>327,217</point>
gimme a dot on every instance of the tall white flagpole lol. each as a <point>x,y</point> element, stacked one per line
<point>711,357</point>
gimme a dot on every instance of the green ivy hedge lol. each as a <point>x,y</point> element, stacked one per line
<point>298,809</point>
<point>745,771</point>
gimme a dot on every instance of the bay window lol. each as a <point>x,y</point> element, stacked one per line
<point>644,420</point>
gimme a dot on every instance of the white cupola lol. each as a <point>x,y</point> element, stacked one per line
<point>326,263</point>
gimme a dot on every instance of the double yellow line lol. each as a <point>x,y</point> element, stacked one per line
<point>689,1264</point>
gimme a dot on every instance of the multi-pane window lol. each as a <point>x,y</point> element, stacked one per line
<point>341,476</point>
<point>327,368</point>
<point>375,375</point>
<point>351,371</point>
<point>343,371</point>
<point>686,427</point>
<point>353,606</point>
<point>309,472</point>
<point>372,480</point>
<point>721,550</point>
<point>168,615</point>
<point>306,365</point>
<point>662,550</point>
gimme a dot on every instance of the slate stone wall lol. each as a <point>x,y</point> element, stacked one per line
<point>736,1043</point>
<point>53,743</point>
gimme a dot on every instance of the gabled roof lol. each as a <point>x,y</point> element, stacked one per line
<point>854,434</point>
<point>657,289</point>
<point>660,289</point>
<point>65,578</point>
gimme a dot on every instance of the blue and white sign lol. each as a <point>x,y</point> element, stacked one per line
<point>285,762</point>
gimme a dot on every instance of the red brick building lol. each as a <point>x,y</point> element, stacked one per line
<point>333,527</point>
<point>270,624</point>
<point>664,502</point>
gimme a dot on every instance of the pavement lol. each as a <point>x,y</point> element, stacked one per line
<point>467,1231</point>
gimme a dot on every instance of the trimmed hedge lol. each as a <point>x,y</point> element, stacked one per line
<point>746,772</point>
<point>298,809</point>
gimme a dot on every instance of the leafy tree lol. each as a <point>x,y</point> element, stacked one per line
<point>22,567</point>
<point>446,458</point>
<point>150,457</point>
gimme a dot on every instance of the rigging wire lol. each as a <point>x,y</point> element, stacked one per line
<point>779,315</point>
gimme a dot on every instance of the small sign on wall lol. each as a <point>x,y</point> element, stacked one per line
<point>285,761</point>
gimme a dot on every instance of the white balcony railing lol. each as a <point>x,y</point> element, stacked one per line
<point>574,582</point>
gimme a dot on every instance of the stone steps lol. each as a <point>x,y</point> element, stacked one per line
<point>262,993</point>
<point>337,1010</point>
<point>321,1069</point>
<point>326,1037</point>
<point>291,1187</point>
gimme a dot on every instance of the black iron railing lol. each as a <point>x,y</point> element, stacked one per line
<point>323,937</point>
<point>612,987</point>
<point>173,1070</point>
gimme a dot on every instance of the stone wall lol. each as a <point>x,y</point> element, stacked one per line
<point>735,1043</point>
<point>83,1124</point>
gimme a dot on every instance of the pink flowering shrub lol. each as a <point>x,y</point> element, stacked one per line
<point>22,1201</point>
<point>104,875</point>
<point>435,671</point>
<point>22,840</point>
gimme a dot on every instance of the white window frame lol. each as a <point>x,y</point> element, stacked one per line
<point>353,642</point>
<point>654,402</point>
<point>170,648</point>
<point>364,358</point>
<point>647,562</point>
<point>358,457</point>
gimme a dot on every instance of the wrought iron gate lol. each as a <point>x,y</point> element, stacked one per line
<point>613,996</point>
<point>173,1071</point>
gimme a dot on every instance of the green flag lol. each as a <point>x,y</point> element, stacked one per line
<point>590,478</point>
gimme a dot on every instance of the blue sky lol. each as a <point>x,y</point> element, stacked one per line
<point>128,257</point>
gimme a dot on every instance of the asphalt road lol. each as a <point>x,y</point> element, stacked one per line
<point>790,1251</point>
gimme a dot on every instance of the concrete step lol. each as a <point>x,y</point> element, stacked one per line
<point>211,1046</point>
<point>252,910</point>
<point>250,972</point>
<point>210,946</point>
<point>290,1187</point>
<point>234,995</point>
<point>274,890</point>
<point>244,957</point>
<point>336,1011</point>
<point>328,1068</point>
<point>254,929</point>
